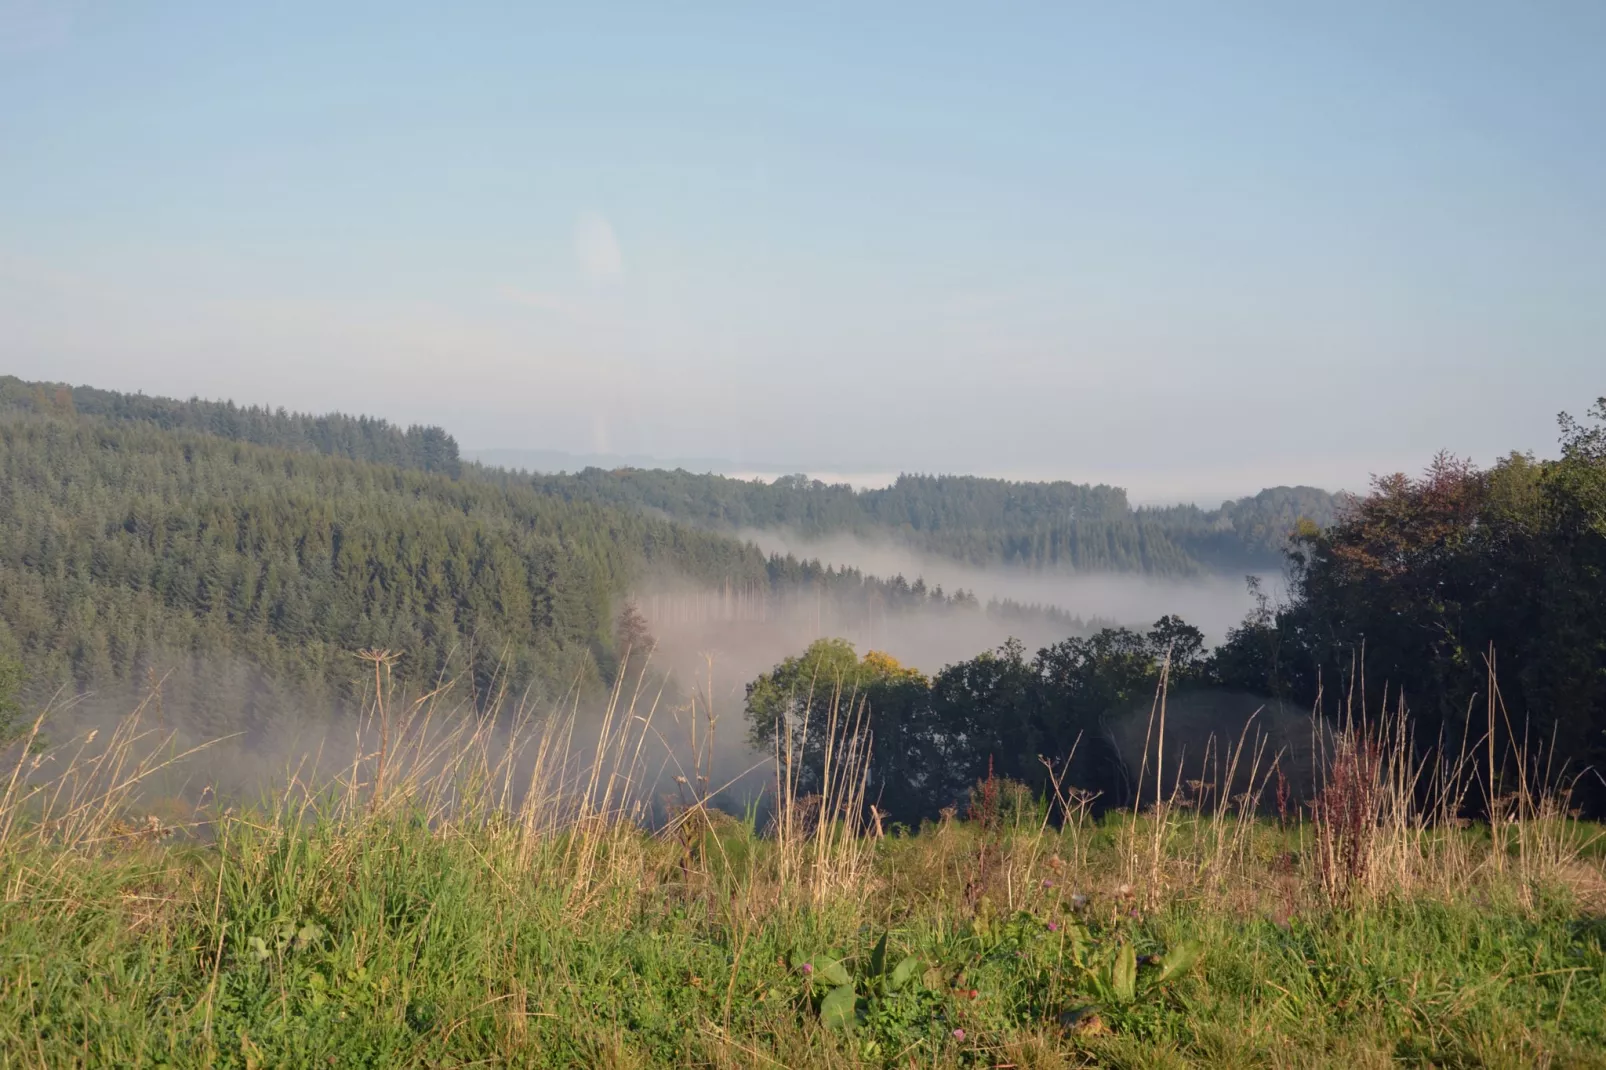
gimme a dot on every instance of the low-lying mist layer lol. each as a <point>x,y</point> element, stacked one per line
<point>1211,602</point>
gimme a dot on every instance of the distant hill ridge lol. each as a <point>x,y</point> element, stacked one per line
<point>1060,526</point>
<point>981,521</point>
<point>360,438</point>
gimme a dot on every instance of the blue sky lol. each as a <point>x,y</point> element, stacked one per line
<point>1190,248</point>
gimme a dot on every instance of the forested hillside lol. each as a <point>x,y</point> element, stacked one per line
<point>259,571</point>
<point>1057,526</point>
<point>1061,526</point>
<point>361,438</point>
<point>251,553</point>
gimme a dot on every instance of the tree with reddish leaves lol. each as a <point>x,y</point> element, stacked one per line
<point>1418,584</point>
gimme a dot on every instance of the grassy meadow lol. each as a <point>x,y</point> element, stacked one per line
<point>462,897</point>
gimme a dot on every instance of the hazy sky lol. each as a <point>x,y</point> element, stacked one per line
<point>1190,245</point>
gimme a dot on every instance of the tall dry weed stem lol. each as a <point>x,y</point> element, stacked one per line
<point>563,799</point>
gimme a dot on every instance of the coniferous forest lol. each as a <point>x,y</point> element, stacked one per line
<point>252,552</point>
<point>1053,526</point>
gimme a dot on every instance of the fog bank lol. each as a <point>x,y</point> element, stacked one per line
<point>1211,603</point>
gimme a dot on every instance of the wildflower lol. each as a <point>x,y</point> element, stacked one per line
<point>959,1034</point>
<point>808,968</point>
<point>1134,912</point>
<point>1053,926</point>
<point>1047,883</point>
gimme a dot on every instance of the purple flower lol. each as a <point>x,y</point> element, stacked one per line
<point>808,968</point>
<point>1047,883</point>
<point>1053,926</point>
<point>959,1034</point>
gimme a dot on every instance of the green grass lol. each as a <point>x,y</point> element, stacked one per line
<point>450,920</point>
<point>382,943</point>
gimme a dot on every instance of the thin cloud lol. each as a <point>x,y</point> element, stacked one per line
<point>597,248</point>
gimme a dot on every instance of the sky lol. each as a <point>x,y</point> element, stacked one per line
<point>1191,249</point>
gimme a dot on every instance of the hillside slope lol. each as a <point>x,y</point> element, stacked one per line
<point>126,548</point>
<point>164,539</point>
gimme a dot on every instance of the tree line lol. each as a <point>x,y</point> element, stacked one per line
<point>360,438</point>
<point>1056,525</point>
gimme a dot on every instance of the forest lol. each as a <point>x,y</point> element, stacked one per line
<point>253,552</point>
<point>1057,526</point>
<point>244,555</point>
<point>1473,599</point>
<point>361,438</point>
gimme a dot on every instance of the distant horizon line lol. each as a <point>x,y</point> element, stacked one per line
<point>860,479</point>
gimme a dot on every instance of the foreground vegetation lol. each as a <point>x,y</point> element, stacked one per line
<point>463,897</point>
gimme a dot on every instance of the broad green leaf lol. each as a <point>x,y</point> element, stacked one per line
<point>878,957</point>
<point>1124,974</point>
<point>1079,940</point>
<point>829,971</point>
<point>836,1009</point>
<point>904,972</point>
<point>1180,960</point>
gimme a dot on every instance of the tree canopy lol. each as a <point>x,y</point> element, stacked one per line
<point>1477,597</point>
